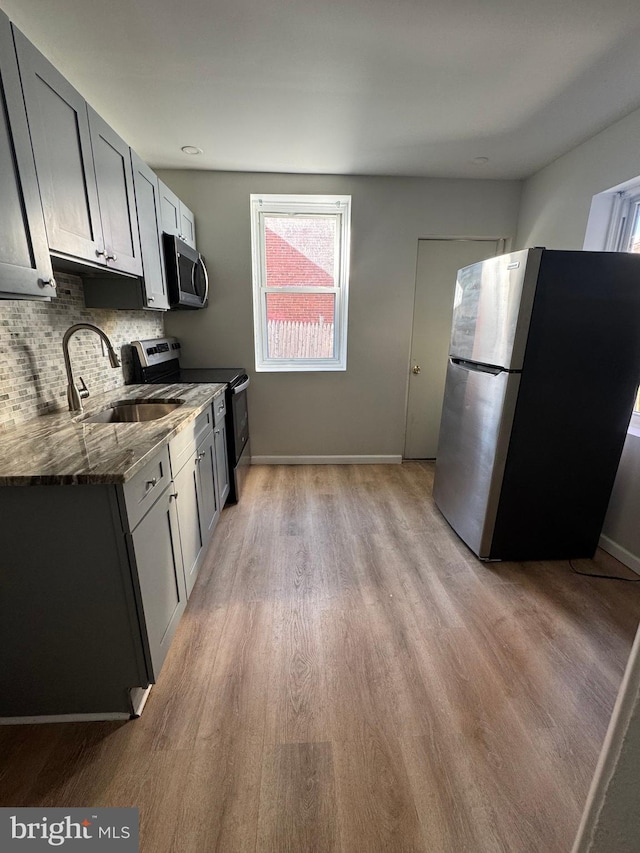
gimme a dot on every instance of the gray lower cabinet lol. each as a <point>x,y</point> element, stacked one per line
<point>221,461</point>
<point>210,505</point>
<point>191,535</point>
<point>83,169</point>
<point>71,634</point>
<point>25,265</point>
<point>90,604</point>
<point>197,502</point>
<point>156,556</point>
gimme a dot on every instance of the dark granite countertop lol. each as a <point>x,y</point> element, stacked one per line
<point>63,449</point>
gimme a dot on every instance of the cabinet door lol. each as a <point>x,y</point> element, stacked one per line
<point>155,545</point>
<point>25,265</point>
<point>187,487</point>
<point>176,217</point>
<point>169,210</point>
<point>222,463</point>
<point>207,478</point>
<point>145,183</point>
<point>187,226</point>
<point>59,129</point>
<point>116,197</point>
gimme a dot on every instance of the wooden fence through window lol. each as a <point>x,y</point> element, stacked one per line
<point>289,339</point>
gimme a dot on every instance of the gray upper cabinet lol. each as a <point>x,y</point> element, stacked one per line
<point>83,169</point>
<point>114,178</point>
<point>25,265</point>
<point>148,205</point>
<point>59,128</point>
<point>176,217</point>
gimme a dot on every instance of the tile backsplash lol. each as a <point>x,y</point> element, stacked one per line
<point>32,375</point>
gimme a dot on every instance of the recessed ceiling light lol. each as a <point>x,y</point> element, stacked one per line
<point>191,149</point>
<point>477,161</point>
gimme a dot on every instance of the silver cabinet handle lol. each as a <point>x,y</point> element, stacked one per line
<point>200,456</point>
<point>173,496</point>
<point>151,299</point>
<point>112,257</point>
<point>151,483</point>
<point>217,432</point>
<point>48,282</point>
<point>100,253</point>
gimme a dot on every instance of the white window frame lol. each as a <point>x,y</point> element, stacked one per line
<point>623,212</point>
<point>338,206</point>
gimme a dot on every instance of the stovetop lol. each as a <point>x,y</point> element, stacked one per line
<point>158,360</point>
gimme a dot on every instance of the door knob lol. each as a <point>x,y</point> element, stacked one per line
<point>416,368</point>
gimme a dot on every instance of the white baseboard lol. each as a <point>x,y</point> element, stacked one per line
<point>63,718</point>
<point>138,697</point>
<point>630,560</point>
<point>326,460</point>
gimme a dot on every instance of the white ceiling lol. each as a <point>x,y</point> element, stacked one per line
<point>375,87</point>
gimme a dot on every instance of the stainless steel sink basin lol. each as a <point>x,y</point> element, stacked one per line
<point>132,411</point>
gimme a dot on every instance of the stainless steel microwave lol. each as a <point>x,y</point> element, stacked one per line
<point>187,279</point>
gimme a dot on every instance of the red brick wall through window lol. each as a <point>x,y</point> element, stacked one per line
<point>288,267</point>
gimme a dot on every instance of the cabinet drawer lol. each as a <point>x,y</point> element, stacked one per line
<point>219,408</point>
<point>184,444</point>
<point>148,484</point>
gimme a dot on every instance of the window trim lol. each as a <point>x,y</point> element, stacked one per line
<point>338,206</point>
<point>622,219</point>
<point>623,210</point>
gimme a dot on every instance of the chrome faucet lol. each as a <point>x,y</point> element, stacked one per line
<point>76,395</point>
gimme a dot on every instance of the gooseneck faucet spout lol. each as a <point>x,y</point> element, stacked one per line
<point>75,395</point>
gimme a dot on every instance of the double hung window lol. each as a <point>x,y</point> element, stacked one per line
<point>300,257</point>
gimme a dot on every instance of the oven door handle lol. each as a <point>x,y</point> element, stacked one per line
<point>240,388</point>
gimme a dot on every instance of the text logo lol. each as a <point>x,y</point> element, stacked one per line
<point>32,829</point>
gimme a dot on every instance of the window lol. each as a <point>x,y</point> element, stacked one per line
<point>624,236</point>
<point>624,233</point>
<point>300,256</point>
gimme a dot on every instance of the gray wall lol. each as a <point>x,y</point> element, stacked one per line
<point>360,411</point>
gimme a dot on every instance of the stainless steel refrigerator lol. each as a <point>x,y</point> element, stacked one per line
<point>543,370</point>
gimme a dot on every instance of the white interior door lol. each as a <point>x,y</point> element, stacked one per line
<point>438,263</point>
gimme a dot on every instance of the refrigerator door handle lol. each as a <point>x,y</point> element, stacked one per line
<point>475,367</point>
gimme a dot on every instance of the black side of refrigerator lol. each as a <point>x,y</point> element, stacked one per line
<point>580,374</point>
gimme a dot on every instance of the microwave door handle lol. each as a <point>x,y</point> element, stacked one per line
<point>206,278</point>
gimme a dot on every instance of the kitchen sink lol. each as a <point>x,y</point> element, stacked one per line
<point>133,411</point>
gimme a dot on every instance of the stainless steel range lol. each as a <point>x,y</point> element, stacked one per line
<point>157,361</point>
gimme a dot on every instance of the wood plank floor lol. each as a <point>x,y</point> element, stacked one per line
<point>348,677</point>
